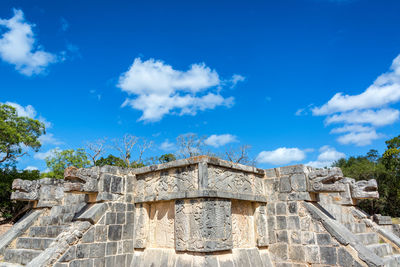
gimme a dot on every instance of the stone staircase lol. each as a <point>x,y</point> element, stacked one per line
<point>41,235</point>
<point>373,242</point>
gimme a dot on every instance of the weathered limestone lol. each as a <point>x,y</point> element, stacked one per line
<point>200,211</point>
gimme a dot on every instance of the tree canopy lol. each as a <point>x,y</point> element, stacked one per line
<point>17,132</point>
<point>60,160</point>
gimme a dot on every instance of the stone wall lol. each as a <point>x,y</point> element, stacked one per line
<point>202,211</point>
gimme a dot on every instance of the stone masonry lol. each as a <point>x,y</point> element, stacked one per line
<point>200,211</point>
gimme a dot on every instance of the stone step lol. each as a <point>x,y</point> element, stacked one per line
<point>36,243</point>
<point>368,238</point>
<point>356,228</point>
<point>21,256</point>
<point>381,250</point>
<point>392,260</point>
<point>46,231</point>
<point>57,220</point>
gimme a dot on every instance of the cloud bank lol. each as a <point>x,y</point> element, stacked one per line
<point>281,156</point>
<point>361,114</point>
<point>157,89</point>
<point>220,140</point>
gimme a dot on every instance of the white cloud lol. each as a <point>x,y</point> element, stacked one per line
<point>361,114</point>
<point>44,155</point>
<point>237,78</point>
<point>379,117</point>
<point>49,139</point>
<point>384,90</point>
<point>352,128</point>
<point>31,168</point>
<point>281,155</point>
<point>167,146</point>
<point>158,89</point>
<point>326,157</point>
<point>220,140</point>
<point>17,46</point>
<point>28,111</point>
<point>359,138</point>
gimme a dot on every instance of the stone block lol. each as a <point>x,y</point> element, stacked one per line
<point>312,254</point>
<point>323,239</point>
<point>298,182</point>
<point>88,237</point>
<point>281,222</point>
<point>111,248</point>
<point>100,233</point>
<point>292,207</point>
<point>279,251</point>
<point>69,255</point>
<point>344,257</point>
<point>111,218</point>
<point>280,208</point>
<point>293,222</point>
<point>94,213</point>
<point>284,185</point>
<point>120,217</point>
<point>141,225</point>
<point>82,251</point>
<point>114,232</point>
<point>97,250</point>
<point>282,236</point>
<point>296,253</point>
<point>328,255</point>
<point>295,237</point>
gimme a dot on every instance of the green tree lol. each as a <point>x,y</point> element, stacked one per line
<point>9,209</point>
<point>60,160</point>
<point>112,161</point>
<point>166,158</point>
<point>16,132</point>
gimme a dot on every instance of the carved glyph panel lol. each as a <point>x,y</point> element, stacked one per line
<point>203,225</point>
<point>167,181</point>
<point>243,232</point>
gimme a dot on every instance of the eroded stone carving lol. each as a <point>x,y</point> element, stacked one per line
<point>47,191</point>
<point>203,225</point>
<point>325,180</point>
<point>25,190</point>
<point>81,180</point>
<point>361,189</point>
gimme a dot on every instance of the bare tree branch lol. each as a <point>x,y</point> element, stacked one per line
<point>96,149</point>
<point>239,155</point>
<point>125,147</point>
<point>190,145</point>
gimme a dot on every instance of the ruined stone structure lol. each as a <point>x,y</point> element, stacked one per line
<point>200,211</point>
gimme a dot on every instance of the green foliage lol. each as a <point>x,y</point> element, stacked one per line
<point>63,159</point>
<point>7,175</point>
<point>166,158</point>
<point>112,161</point>
<point>16,131</point>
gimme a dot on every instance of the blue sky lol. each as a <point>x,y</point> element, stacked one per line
<point>305,81</point>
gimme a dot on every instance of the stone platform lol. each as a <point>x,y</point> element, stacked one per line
<point>200,211</point>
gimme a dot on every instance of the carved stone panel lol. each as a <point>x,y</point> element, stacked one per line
<point>203,225</point>
<point>141,225</point>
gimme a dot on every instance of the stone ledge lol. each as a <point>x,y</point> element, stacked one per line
<point>199,194</point>
<point>196,160</point>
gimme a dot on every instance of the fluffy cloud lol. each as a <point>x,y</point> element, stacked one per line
<point>220,140</point>
<point>326,157</point>
<point>167,146</point>
<point>49,139</point>
<point>361,114</point>
<point>28,111</point>
<point>44,155</point>
<point>17,46</point>
<point>379,117</point>
<point>158,89</point>
<point>281,156</point>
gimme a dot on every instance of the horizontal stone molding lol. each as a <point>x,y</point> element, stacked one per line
<point>196,160</point>
<point>199,194</point>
